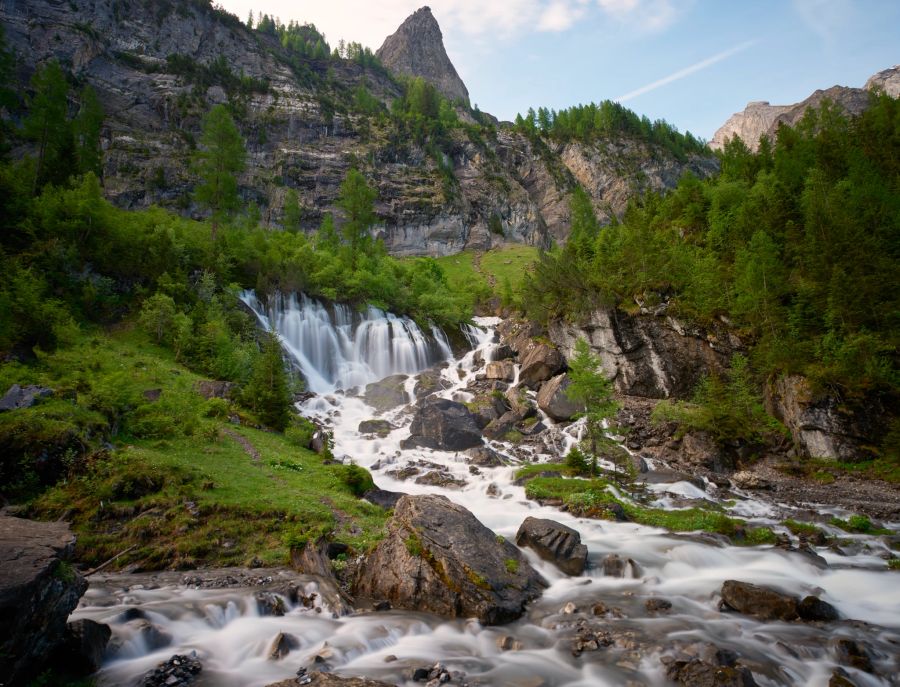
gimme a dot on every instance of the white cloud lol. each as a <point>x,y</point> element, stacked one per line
<point>560,15</point>
<point>687,71</point>
<point>651,16</point>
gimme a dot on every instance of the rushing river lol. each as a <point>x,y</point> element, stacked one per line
<point>339,350</point>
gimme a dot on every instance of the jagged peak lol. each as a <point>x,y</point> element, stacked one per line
<point>416,48</point>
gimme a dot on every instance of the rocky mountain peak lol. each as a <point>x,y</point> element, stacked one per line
<point>417,49</point>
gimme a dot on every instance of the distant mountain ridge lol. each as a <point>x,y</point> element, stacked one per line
<point>760,118</point>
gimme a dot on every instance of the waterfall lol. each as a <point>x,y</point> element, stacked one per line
<point>337,347</point>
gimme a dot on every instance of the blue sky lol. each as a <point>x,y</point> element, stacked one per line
<point>691,62</point>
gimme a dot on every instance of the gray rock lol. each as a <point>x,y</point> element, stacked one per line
<point>445,425</point>
<point>759,602</point>
<point>380,428</point>
<point>697,673</point>
<point>387,393</point>
<point>554,542</point>
<point>23,397</point>
<point>540,362</point>
<point>382,497</point>
<point>85,645</point>
<point>504,370</point>
<point>177,671</point>
<point>318,679</point>
<point>282,645</point>
<point>417,49</point>
<point>814,609</point>
<point>209,388</point>
<point>438,557</point>
<point>851,653</point>
<point>484,457</point>
<point>38,591</point>
<point>552,399</point>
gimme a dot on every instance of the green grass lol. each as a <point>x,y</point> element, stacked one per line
<point>179,487</point>
<point>511,262</point>
<point>859,524</point>
<point>801,528</point>
<point>590,498</point>
<point>484,273</point>
<point>528,471</point>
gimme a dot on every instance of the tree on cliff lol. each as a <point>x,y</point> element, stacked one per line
<point>357,200</point>
<point>47,124</point>
<point>218,161</point>
<point>590,388</point>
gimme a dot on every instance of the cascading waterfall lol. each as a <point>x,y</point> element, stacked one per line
<point>339,348</point>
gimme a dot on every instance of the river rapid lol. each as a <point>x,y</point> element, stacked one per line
<point>340,351</point>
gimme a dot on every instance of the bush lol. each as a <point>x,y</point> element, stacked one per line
<point>357,478</point>
<point>300,432</point>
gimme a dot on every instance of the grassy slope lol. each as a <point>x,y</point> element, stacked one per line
<point>476,271</point>
<point>179,487</point>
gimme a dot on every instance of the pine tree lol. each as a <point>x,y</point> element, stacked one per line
<point>268,393</point>
<point>291,219</point>
<point>590,388</point>
<point>48,125</point>
<point>219,159</point>
<point>87,132</point>
<point>357,200</point>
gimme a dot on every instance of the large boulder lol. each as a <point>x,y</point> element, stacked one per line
<point>697,673</point>
<point>38,591</point>
<point>504,370</point>
<point>552,399</point>
<point>317,679</point>
<point>554,542</point>
<point>387,394</point>
<point>438,557</point>
<point>445,425</point>
<point>540,362</point>
<point>85,645</point>
<point>760,602</point>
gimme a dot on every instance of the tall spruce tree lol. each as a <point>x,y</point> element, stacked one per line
<point>218,161</point>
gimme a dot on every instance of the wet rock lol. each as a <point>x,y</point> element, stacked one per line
<point>493,490</point>
<point>599,608</point>
<point>437,557</point>
<point>383,498</point>
<point>382,606</point>
<point>430,382</point>
<point>615,566</point>
<point>814,609</point>
<point>499,428</point>
<point>379,428</point>
<point>486,408</point>
<point>320,442</point>
<point>436,478</point>
<point>520,404</point>
<point>540,362</point>
<point>760,602</point>
<point>658,605</point>
<point>282,645</point>
<point>177,671</point>
<point>215,389</point>
<point>508,643</point>
<point>154,638</point>
<point>38,591</point>
<point>444,425</point>
<point>405,472</point>
<point>84,647</point>
<point>839,678</point>
<point>504,370</point>
<point>552,399</point>
<point>590,638</point>
<point>502,352</point>
<point>749,480</point>
<point>484,457</point>
<point>387,394</point>
<point>554,542</point>
<point>23,397</point>
<point>269,604</point>
<point>852,654</point>
<point>697,673</point>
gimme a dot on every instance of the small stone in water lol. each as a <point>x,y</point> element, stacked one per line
<point>570,608</point>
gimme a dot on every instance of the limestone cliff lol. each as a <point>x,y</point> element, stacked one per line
<point>158,67</point>
<point>417,49</point>
<point>762,119</point>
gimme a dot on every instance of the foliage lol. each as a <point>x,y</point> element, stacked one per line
<point>727,409</point>
<point>592,391</point>
<point>795,245</point>
<point>219,159</point>
<point>266,392</point>
<point>606,120</point>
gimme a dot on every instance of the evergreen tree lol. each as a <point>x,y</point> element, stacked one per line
<point>47,124</point>
<point>357,199</point>
<point>291,220</point>
<point>589,388</point>
<point>87,132</point>
<point>268,393</point>
<point>219,159</point>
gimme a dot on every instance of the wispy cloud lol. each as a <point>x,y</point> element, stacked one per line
<point>827,18</point>
<point>560,15</point>
<point>687,71</point>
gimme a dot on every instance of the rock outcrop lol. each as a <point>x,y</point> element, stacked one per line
<point>769,604</point>
<point>23,397</point>
<point>438,557</point>
<point>554,542</point>
<point>317,679</point>
<point>825,426</point>
<point>552,399</point>
<point>444,425</point>
<point>762,119</point>
<point>417,49</point>
<point>648,355</point>
<point>38,591</point>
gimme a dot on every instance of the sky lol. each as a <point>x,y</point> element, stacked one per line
<point>691,62</point>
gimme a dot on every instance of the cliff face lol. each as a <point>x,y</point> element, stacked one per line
<point>417,49</point>
<point>158,67</point>
<point>762,119</point>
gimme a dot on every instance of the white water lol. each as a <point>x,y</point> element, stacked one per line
<point>232,640</point>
